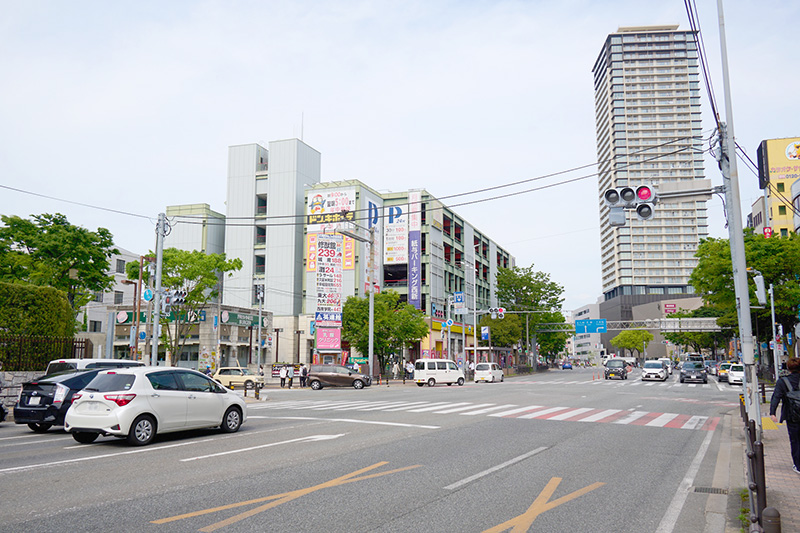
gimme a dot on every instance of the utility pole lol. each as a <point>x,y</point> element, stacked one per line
<point>774,333</point>
<point>260,306</point>
<point>160,230</point>
<point>730,178</point>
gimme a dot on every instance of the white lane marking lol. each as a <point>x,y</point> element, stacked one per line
<point>336,404</point>
<point>310,438</point>
<point>488,409</point>
<point>520,410</point>
<point>636,415</point>
<point>25,443</point>
<point>543,412</point>
<point>371,404</point>
<point>20,437</point>
<point>433,406</point>
<point>354,421</point>
<point>599,416</point>
<point>457,409</point>
<point>662,420</point>
<point>571,413</point>
<point>691,385</point>
<point>408,406</point>
<point>670,518</point>
<point>104,456</point>
<point>348,406</point>
<point>381,407</point>
<point>479,475</point>
<point>693,422</point>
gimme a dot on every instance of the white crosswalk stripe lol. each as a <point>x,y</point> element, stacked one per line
<point>635,415</point>
<point>463,408</point>
<point>436,406</point>
<point>571,413</point>
<point>542,412</point>
<point>517,411</point>
<point>661,420</point>
<point>599,416</point>
<point>488,410</point>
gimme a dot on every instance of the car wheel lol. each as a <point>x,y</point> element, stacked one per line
<point>232,420</point>
<point>39,427</point>
<point>85,438</point>
<point>501,379</point>
<point>420,384</point>
<point>358,384</point>
<point>681,380</point>
<point>142,430</point>
<point>460,382</point>
<point>316,385</point>
<point>431,382</point>
<point>248,385</point>
<point>705,381</point>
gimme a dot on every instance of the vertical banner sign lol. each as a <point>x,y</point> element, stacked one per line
<point>414,251</point>
<point>329,339</point>
<point>395,245</point>
<point>327,211</point>
<point>311,252</point>
<point>329,280</point>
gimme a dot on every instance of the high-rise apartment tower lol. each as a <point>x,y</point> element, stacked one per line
<point>647,106</point>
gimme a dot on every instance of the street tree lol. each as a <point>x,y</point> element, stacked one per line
<point>536,299</point>
<point>396,325</point>
<point>47,250</point>
<point>633,339</point>
<point>197,273</point>
<point>504,332</point>
<point>700,340</point>
<point>778,260</point>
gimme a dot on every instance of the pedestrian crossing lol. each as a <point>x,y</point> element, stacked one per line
<point>529,412</point>
<point>622,383</point>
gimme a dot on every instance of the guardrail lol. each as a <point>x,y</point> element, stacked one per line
<point>763,519</point>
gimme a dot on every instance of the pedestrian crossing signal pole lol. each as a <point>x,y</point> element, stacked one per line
<point>160,231</point>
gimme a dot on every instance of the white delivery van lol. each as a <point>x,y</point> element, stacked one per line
<point>60,365</point>
<point>433,371</point>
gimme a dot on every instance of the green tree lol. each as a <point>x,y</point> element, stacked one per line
<point>505,332</point>
<point>699,340</point>
<point>778,259</point>
<point>532,296</point>
<point>633,339</point>
<point>196,273</point>
<point>49,251</point>
<point>396,325</point>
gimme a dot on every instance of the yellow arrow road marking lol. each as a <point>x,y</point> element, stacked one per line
<point>522,523</point>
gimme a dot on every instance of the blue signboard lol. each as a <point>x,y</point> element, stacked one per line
<point>591,326</point>
<point>484,333</point>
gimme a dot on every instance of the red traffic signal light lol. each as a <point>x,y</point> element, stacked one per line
<point>644,193</point>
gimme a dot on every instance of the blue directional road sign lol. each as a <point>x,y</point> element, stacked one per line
<point>590,326</point>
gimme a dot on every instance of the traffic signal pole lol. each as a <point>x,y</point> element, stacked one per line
<point>160,230</point>
<point>730,179</point>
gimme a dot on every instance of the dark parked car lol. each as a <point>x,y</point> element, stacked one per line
<point>43,402</point>
<point>694,371</point>
<point>336,376</point>
<point>615,368</point>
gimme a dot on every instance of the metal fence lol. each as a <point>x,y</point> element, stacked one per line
<point>20,353</point>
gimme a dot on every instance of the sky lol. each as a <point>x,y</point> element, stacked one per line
<point>131,106</point>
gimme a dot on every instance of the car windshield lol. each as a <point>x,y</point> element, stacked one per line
<point>482,366</point>
<point>692,365</point>
<point>247,372</point>
<point>724,366</point>
<point>653,364</point>
<point>615,364</point>
<point>736,368</point>
<point>111,382</point>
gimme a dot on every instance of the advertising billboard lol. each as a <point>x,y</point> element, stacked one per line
<point>414,248</point>
<point>395,230</point>
<point>329,280</point>
<point>778,159</point>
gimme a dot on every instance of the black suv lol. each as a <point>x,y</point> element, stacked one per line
<point>694,371</point>
<point>43,402</point>
<point>336,376</point>
<point>615,368</point>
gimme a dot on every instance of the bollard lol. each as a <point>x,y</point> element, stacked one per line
<point>258,391</point>
<point>771,520</point>
<point>760,478</point>
<point>763,388</point>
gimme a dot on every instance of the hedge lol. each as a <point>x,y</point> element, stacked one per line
<point>35,311</point>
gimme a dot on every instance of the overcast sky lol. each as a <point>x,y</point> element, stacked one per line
<point>132,105</point>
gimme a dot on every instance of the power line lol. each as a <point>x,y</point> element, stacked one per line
<point>694,24</point>
<point>40,195</point>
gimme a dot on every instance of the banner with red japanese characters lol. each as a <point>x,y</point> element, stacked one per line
<point>329,280</point>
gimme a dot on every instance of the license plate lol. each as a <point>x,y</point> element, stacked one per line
<point>34,400</point>
<point>93,406</point>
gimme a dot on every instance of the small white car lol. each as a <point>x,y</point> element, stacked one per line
<point>654,369</point>
<point>736,374</point>
<point>668,362</point>
<point>432,371</point>
<point>138,403</point>
<point>488,372</point>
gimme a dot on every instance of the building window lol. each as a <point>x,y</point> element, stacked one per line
<point>781,187</point>
<point>118,297</point>
<point>120,266</point>
<point>782,210</point>
<point>784,232</point>
<point>98,297</point>
<point>95,326</point>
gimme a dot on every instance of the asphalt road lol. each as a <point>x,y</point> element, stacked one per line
<point>551,452</point>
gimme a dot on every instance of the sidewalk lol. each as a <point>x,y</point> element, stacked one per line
<point>783,484</point>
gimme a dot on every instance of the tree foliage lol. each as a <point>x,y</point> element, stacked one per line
<point>700,340</point>
<point>778,260</point>
<point>633,339</point>
<point>196,273</point>
<point>34,311</point>
<point>49,251</point>
<point>505,332</point>
<point>524,289</point>
<point>396,325</point>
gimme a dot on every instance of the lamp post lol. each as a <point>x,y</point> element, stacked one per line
<point>260,295</point>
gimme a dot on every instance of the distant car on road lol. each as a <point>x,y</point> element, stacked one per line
<point>238,377</point>
<point>693,371</point>
<point>615,368</point>
<point>566,365</point>
<point>722,372</point>
<point>336,376</point>
<point>668,362</point>
<point>138,403</point>
<point>654,369</point>
<point>43,402</point>
<point>736,374</point>
<point>488,372</point>
<point>62,365</point>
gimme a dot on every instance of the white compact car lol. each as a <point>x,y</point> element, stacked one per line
<point>433,371</point>
<point>736,374</point>
<point>488,372</point>
<point>654,369</point>
<point>138,403</point>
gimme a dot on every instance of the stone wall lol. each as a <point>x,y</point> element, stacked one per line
<point>12,381</point>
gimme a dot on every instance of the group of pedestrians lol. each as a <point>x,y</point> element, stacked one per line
<point>287,374</point>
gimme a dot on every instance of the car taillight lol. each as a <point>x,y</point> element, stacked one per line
<point>120,399</point>
<point>61,393</point>
<point>76,396</point>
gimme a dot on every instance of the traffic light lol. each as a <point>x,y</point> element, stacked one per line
<point>646,199</point>
<point>623,197</point>
<point>178,297</point>
<point>166,302</point>
<point>497,312</point>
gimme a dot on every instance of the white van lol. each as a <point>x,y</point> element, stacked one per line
<point>60,365</point>
<point>433,371</point>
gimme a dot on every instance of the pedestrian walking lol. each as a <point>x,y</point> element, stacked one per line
<point>395,370</point>
<point>290,375</point>
<point>785,385</point>
<point>282,375</point>
<point>303,376</point>
<point>260,370</point>
<point>410,369</point>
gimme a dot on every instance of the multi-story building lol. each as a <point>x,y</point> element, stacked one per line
<point>198,228</point>
<point>647,106</point>
<point>779,168</point>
